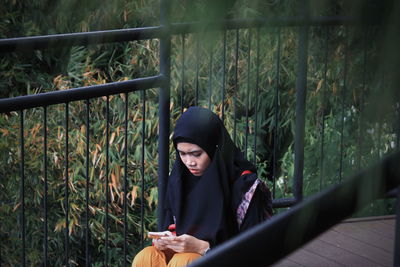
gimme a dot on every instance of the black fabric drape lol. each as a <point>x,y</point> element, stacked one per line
<point>208,210</point>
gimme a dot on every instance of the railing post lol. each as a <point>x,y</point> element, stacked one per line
<point>22,189</point>
<point>301,93</point>
<point>322,152</point>
<point>66,187</point>
<point>396,256</point>
<point>276,111</point>
<point>163,108</point>
<point>343,102</point>
<point>87,186</point>
<point>142,171</point>
<point>396,261</point>
<point>45,205</point>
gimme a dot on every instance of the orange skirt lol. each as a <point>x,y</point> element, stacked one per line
<point>152,257</point>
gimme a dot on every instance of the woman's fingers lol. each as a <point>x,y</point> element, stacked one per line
<point>177,244</point>
<point>183,243</point>
<point>158,243</point>
<point>176,248</point>
<point>170,238</point>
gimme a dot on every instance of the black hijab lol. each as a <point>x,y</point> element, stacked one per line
<point>205,207</point>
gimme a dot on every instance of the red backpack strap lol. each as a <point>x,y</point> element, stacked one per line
<point>245,172</point>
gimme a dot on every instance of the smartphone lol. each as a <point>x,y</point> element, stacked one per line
<point>158,234</point>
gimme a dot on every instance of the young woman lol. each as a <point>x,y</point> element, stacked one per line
<point>213,193</point>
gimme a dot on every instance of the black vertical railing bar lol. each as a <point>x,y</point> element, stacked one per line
<point>163,109</point>
<point>396,261</point>
<point>66,185</point>
<point>276,110</point>
<point>125,207</point>
<point>382,92</point>
<point>210,74</point>
<point>379,138</point>
<point>361,104</point>
<point>398,126</point>
<point>323,101</point>
<point>45,223</point>
<point>301,95</point>
<point>256,102</point>
<point>223,78</point>
<point>183,73</point>
<point>22,189</point>
<point>236,88</point>
<point>343,96</point>
<point>246,138</point>
<point>107,178</point>
<point>125,177</point>
<point>87,230</point>
<point>143,92</point>
<point>197,68</point>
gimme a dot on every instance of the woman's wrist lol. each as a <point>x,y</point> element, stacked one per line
<point>205,251</point>
<point>204,247</point>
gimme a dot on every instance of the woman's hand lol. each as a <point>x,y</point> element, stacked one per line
<point>158,243</point>
<point>182,243</point>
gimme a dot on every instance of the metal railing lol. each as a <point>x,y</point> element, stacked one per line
<point>44,100</point>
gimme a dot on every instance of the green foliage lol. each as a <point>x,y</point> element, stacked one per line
<point>342,97</point>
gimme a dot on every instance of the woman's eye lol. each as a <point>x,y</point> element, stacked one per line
<point>197,155</point>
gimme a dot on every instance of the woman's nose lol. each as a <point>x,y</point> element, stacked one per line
<point>190,162</point>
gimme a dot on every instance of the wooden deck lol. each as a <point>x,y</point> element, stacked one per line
<point>354,242</point>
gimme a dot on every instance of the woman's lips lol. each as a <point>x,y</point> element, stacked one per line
<point>194,171</point>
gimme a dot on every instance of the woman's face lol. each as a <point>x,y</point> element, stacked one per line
<point>194,158</point>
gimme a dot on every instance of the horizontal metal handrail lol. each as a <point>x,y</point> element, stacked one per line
<point>190,27</point>
<point>25,44</point>
<point>80,93</point>
<point>268,242</point>
<point>284,202</point>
